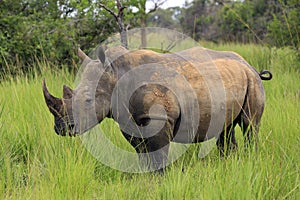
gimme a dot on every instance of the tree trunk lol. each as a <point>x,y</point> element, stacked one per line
<point>124,40</point>
<point>143,33</point>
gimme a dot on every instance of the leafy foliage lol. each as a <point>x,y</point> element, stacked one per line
<point>285,27</point>
<point>273,22</point>
<point>50,30</point>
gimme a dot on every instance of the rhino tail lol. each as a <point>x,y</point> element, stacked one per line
<point>265,72</point>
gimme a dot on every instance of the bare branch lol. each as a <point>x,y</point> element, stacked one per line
<point>119,4</point>
<point>120,8</point>
<point>109,10</point>
<point>127,27</point>
<point>157,4</point>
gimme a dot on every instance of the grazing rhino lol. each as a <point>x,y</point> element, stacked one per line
<point>187,97</point>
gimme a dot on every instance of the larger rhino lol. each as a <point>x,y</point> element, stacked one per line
<point>187,97</point>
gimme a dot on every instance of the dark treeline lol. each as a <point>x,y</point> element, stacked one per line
<point>32,30</point>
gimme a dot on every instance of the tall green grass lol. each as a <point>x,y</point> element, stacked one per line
<point>35,163</point>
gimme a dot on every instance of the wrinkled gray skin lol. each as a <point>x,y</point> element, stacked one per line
<point>87,105</point>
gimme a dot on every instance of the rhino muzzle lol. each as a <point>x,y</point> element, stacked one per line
<point>63,124</point>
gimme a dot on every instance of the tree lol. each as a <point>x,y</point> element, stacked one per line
<point>142,14</point>
<point>167,18</point>
<point>235,22</point>
<point>284,30</point>
<point>119,17</point>
<point>30,29</point>
<point>198,19</point>
<point>136,10</point>
<point>50,31</point>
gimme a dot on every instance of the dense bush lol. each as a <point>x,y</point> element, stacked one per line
<point>285,27</point>
<point>50,30</point>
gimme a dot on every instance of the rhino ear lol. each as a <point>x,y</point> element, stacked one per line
<point>54,104</point>
<point>67,92</point>
<point>101,54</point>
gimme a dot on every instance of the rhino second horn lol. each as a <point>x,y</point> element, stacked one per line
<point>101,54</point>
<point>81,54</point>
<point>54,104</point>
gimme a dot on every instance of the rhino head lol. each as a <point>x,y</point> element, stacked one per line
<point>87,105</point>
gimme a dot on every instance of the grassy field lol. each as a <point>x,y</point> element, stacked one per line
<point>35,163</point>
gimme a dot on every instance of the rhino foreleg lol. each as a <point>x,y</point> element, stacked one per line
<point>155,157</point>
<point>153,151</point>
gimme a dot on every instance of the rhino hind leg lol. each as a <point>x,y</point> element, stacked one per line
<point>250,128</point>
<point>227,137</point>
<point>250,120</point>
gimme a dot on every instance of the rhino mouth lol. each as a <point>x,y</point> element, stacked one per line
<point>71,130</point>
<point>63,128</point>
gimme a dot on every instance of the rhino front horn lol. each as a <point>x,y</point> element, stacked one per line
<point>54,104</point>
